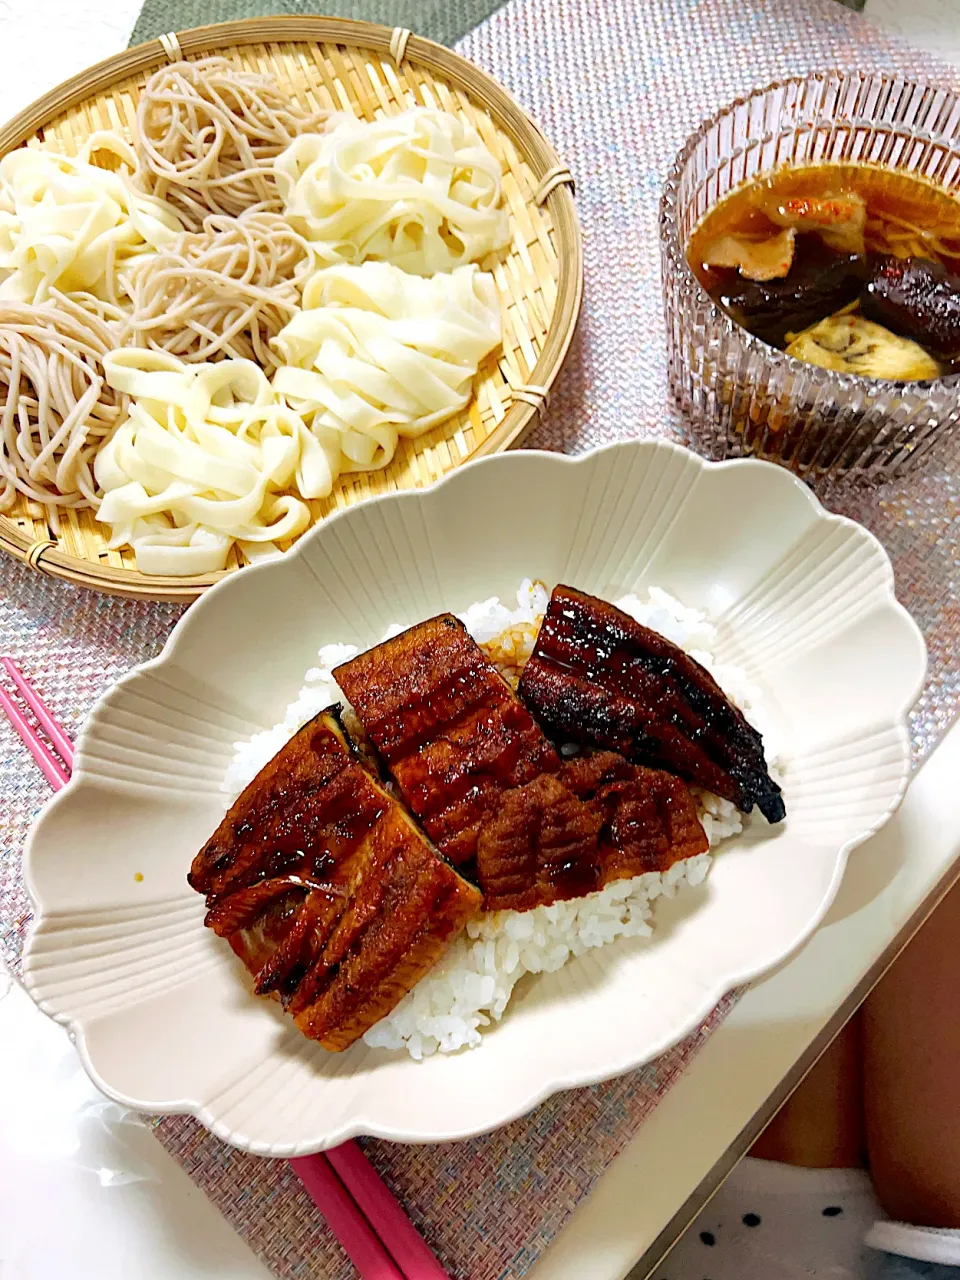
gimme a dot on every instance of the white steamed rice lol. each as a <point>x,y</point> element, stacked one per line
<point>471,986</point>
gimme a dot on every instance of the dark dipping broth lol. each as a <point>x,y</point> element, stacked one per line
<point>854,268</point>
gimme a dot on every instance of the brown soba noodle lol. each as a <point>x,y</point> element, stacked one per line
<point>223,291</point>
<point>57,409</point>
<point>207,135</point>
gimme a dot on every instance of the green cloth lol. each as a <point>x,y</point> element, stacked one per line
<point>442,20</point>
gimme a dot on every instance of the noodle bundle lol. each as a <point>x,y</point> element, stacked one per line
<point>57,410</point>
<point>201,334</point>
<point>223,291</point>
<point>207,457</point>
<point>376,354</point>
<point>67,224</point>
<point>208,135</point>
<point>419,190</point>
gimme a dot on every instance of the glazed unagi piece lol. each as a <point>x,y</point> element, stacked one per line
<point>648,816</point>
<point>450,729</point>
<point>597,677</point>
<point>327,890</point>
<point>598,819</point>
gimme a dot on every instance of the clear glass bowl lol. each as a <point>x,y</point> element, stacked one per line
<point>742,396</point>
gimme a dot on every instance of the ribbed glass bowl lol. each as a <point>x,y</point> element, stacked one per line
<point>743,396</point>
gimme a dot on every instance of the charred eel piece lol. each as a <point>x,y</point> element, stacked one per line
<point>598,819</point>
<point>452,732</point>
<point>327,890</point>
<point>599,678</point>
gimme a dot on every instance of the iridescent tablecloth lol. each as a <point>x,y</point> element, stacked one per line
<point>617,85</point>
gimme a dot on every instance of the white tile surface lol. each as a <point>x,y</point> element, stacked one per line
<point>83,1194</point>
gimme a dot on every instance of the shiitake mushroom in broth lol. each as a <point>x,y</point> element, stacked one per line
<point>852,267</point>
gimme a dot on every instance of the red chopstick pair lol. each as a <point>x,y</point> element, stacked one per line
<point>370,1224</point>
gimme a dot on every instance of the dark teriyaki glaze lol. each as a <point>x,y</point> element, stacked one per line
<point>325,888</point>
<point>309,815</point>
<point>598,819</point>
<point>241,908</point>
<point>598,677</point>
<point>541,846</point>
<point>449,728</point>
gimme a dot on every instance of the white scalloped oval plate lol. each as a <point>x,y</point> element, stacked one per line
<point>159,1007</point>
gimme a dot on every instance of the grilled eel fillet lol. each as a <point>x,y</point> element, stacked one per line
<point>450,729</point>
<point>598,819</point>
<point>598,677</point>
<point>327,890</point>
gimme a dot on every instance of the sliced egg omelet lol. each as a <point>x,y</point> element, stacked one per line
<point>848,343</point>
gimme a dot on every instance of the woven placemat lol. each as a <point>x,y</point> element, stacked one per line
<point>617,88</point>
<point>442,20</point>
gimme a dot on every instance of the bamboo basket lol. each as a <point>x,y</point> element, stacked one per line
<point>371,71</point>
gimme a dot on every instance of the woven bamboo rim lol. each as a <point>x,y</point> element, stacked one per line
<point>369,69</point>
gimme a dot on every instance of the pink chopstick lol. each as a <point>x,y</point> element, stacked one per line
<point>370,1224</point>
<point>360,1242</point>
<point>55,773</point>
<point>387,1218</point>
<point>51,727</point>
